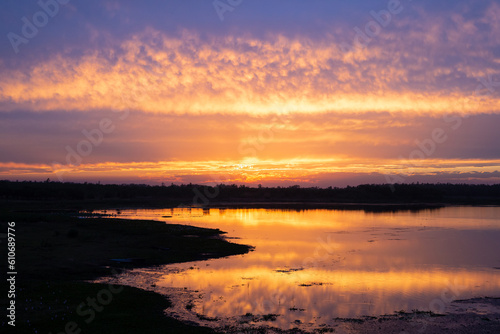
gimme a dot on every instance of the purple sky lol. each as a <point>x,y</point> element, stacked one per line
<point>250,91</point>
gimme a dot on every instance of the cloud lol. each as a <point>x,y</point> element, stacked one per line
<point>306,172</point>
<point>280,103</point>
<point>294,149</point>
<point>420,65</point>
<point>33,137</point>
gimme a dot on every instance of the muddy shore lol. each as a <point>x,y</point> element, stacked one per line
<point>57,254</point>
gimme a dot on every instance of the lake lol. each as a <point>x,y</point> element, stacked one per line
<point>312,266</point>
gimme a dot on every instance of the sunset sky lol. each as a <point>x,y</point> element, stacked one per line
<point>315,93</point>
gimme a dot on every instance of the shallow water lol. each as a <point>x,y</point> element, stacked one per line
<point>311,266</point>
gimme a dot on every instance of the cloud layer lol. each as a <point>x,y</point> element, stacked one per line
<point>428,64</point>
<point>323,94</point>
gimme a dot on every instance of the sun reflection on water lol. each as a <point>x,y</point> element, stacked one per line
<point>315,265</point>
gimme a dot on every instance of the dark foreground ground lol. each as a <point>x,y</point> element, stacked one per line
<point>56,253</point>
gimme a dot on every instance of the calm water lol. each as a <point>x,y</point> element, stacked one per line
<point>315,265</point>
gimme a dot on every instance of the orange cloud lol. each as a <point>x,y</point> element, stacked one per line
<point>242,109</point>
<point>153,72</point>
<point>252,171</point>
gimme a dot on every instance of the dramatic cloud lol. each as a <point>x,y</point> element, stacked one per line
<point>165,91</point>
<point>431,65</point>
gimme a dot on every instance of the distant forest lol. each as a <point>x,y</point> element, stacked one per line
<point>190,194</point>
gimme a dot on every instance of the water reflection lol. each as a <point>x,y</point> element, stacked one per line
<point>315,265</point>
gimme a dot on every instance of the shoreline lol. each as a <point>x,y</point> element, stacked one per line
<point>60,252</point>
<point>471,317</point>
<point>57,254</point>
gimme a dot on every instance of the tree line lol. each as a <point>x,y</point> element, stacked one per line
<point>185,193</point>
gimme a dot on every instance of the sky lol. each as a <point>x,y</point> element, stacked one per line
<point>283,92</point>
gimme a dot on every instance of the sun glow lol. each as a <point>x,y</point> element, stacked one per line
<point>306,171</point>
